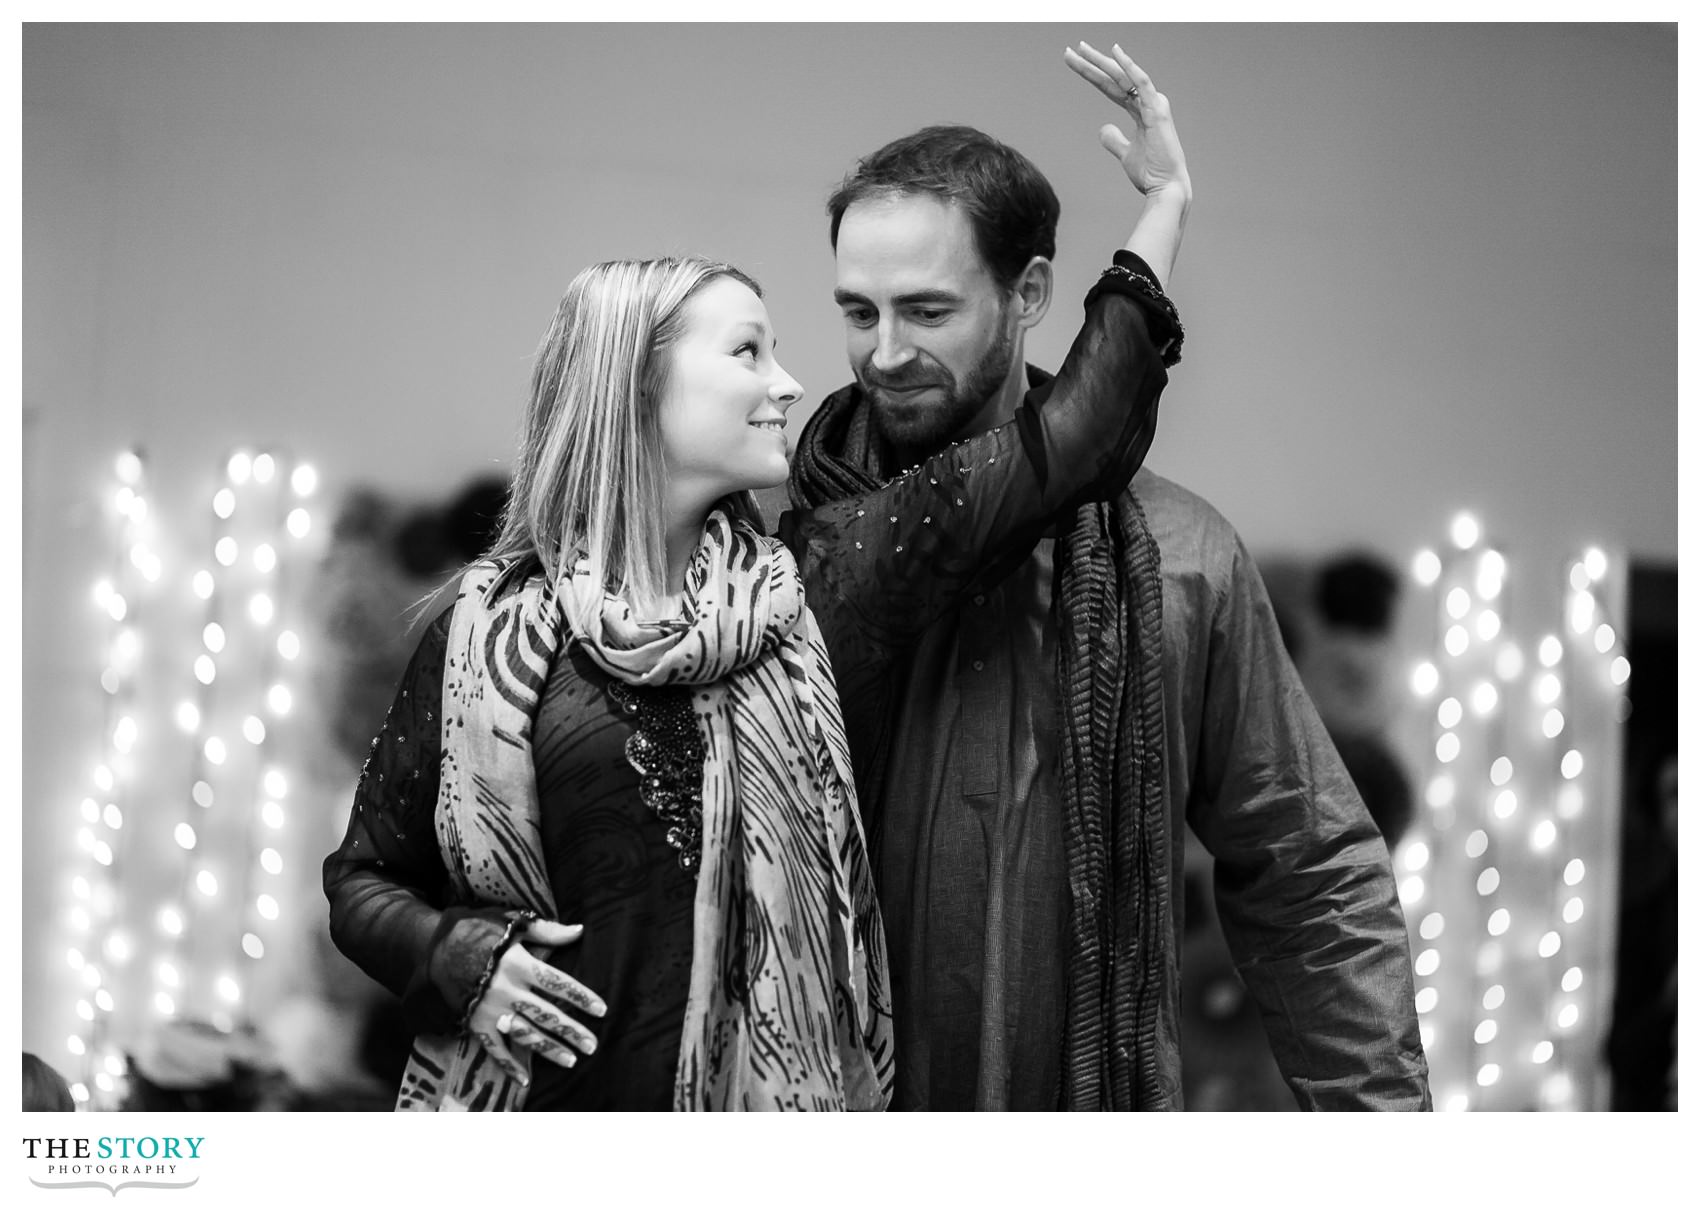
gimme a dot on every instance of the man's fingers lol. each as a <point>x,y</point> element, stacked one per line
<point>556,984</point>
<point>555,1023</point>
<point>525,1033</point>
<point>519,971</point>
<point>1098,59</point>
<point>502,1056</point>
<point>1093,76</point>
<point>1082,68</point>
<point>551,933</point>
<point>1135,74</point>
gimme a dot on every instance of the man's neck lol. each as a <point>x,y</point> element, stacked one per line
<point>1003,403</point>
<point>999,408</point>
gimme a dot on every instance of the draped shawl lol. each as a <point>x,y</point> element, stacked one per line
<point>789,1004</point>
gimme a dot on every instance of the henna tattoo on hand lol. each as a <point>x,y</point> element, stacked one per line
<point>566,1032</point>
<point>557,984</point>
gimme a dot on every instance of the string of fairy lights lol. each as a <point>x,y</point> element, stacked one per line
<point>203,938</point>
<point>95,910</point>
<point>1502,877</point>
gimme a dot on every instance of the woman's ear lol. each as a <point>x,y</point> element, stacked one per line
<point>1033,292</point>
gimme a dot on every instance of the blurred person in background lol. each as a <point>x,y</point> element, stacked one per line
<point>44,1088</point>
<point>1335,620</point>
<point>1641,1044</point>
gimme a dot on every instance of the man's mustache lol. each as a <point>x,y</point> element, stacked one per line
<point>905,383</point>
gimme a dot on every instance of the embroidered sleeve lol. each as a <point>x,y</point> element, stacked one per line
<point>887,563</point>
<point>386,882</point>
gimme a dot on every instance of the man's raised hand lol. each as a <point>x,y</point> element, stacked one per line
<point>1152,156</point>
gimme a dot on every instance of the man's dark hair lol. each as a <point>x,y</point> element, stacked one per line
<point>1012,208</point>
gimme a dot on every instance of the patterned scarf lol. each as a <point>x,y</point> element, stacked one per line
<point>1122,963</point>
<point>789,1004</point>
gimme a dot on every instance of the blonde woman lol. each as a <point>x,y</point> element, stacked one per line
<point>628,722</point>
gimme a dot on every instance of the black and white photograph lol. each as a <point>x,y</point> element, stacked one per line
<point>940,566</point>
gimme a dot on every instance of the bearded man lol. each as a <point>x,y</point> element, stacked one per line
<point>1026,763</point>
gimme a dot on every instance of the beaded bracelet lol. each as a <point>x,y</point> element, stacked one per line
<point>1148,287</point>
<point>517,920</point>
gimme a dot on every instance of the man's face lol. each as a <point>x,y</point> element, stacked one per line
<point>928,332</point>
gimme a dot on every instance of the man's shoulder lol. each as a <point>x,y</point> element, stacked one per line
<point>1180,517</point>
<point>1203,559</point>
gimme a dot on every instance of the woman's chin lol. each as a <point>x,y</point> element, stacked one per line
<point>769,478</point>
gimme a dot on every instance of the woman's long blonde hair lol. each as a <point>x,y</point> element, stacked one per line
<point>590,474</point>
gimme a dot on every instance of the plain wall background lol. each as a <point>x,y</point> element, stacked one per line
<point>1429,267</point>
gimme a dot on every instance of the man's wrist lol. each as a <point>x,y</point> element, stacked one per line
<point>1175,193</point>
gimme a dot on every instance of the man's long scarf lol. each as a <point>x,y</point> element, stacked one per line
<point>1122,963</point>
<point>789,1003</point>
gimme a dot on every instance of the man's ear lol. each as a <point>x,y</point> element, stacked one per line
<point>1033,292</point>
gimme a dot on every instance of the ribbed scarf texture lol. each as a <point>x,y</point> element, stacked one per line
<point>1108,609</point>
<point>789,1004</point>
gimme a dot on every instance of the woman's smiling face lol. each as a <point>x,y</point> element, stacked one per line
<point>722,418</point>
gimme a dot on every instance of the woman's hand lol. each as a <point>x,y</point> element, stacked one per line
<point>525,1008</point>
<point>1152,157</point>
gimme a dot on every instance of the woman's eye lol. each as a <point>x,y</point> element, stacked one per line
<point>750,348</point>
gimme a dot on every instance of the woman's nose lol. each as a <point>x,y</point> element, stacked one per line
<point>785,390</point>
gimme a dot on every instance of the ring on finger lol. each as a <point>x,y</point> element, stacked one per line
<point>505,1022</point>
<point>1132,93</point>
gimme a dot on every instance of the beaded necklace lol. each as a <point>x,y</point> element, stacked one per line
<point>666,751</point>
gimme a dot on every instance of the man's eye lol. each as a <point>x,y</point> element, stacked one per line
<point>861,317</point>
<point>931,315</point>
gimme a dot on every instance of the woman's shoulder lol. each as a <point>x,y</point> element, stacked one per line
<point>492,581</point>
<point>484,585</point>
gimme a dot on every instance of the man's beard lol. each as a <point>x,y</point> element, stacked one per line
<point>919,429</point>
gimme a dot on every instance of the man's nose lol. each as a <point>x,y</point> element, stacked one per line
<point>891,348</point>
